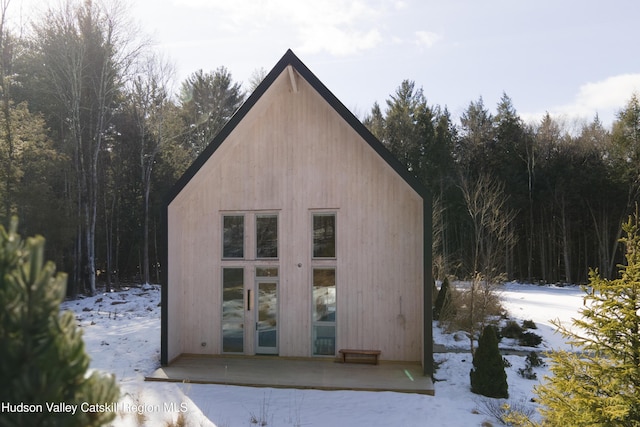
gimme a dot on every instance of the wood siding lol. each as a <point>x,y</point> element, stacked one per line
<point>292,154</point>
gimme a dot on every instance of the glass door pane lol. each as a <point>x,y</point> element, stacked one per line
<point>233,310</point>
<point>324,311</point>
<point>267,317</point>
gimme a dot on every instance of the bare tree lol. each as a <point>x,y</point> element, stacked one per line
<point>257,76</point>
<point>87,52</point>
<point>149,103</point>
<point>493,238</point>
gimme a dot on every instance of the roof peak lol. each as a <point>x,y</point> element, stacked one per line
<point>290,58</point>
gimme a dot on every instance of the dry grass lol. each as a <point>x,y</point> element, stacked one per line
<point>181,421</point>
<point>486,306</point>
<point>502,411</point>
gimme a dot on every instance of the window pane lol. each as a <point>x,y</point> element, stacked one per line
<point>266,271</point>
<point>233,237</point>
<point>267,327</point>
<point>233,310</point>
<point>267,236</point>
<point>324,295</point>
<point>324,340</point>
<point>324,236</point>
<point>324,311</point>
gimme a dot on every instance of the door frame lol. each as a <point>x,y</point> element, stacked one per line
<point>256,304</point>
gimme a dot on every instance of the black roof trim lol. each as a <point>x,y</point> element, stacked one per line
<point>290,58</point>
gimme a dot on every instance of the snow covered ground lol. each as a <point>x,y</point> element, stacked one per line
<point>122,336</point>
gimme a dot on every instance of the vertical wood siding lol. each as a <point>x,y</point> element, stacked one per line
<point>293,153</point>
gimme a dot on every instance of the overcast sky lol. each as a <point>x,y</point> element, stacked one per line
<point>571,58</point>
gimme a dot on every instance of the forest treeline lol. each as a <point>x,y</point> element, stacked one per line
<point>93,135</point>
<point>541,202</point>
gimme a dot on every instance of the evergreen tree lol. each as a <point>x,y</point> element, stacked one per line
<point>600,385</point>
<point>476,139</point>
<point>43,358</point>
<point>443,307</point>
<point>407,130</point>
<point>208,101</point>
<point>375,122</point>
<point>408,126</point>
<point>488,377</point>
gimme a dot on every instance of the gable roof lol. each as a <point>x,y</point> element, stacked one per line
<point>291,59</point>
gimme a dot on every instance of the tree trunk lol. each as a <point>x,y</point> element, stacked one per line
<point>155,246</point>
<point>566,250</point>
<point>145,242</point>
<point>5,46</point>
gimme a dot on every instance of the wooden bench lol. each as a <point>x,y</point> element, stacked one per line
<point>366,353</point>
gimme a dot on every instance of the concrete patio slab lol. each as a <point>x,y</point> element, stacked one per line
<point>268,371</point>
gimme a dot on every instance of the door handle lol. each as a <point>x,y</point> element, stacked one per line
<point>248,299</point>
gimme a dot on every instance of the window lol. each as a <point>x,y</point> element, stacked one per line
<point>324,235</point>
<point>233,310</point>
<point>266,236</point>
<point>324,311</point>
<point>266,271</point>
<point>233,236</point>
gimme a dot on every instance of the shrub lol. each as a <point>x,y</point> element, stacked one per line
<point>529,339</point>
<point>532,361</point>
<point>43,358</point>
<point>444,309</point>
<point>488,376</point>
<point>529,324</point>
<point>512,330</point>
<point>503,411</point>
<point>527,373</point>
<point>506,363</point>
<point>486,304</point>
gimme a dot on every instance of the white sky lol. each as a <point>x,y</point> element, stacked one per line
<point>568,57</point>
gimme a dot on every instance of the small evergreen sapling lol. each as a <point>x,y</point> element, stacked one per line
<point>488,376</point>
<point>512,330</point>
<point>529,339</point>
<point>43,360</point>
<point>532,361</point>
<point>529,324</point>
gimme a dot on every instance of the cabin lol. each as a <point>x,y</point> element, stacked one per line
<point>297,234</point>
